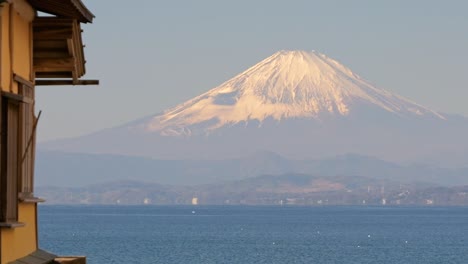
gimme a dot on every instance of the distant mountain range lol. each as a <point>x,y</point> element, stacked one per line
<point>301,105</point>
<point>281,132</point>
<point>77,169</point>
<point>286,189</point>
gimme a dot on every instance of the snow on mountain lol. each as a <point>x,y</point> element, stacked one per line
<point>288,84</point>
<point>301,105</point>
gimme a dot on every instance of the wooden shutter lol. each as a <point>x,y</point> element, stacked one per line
<point>27,143</point>
<point>17,148</point>
<point>9,157</point>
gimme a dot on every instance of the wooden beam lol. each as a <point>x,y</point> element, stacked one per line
<point>66,82</point>
<point>17,97</point>
<point>79,52</point>
<point>52,22</point>
<point>64,8</point>
<point>31,200</point>
<point>11,224</point>
<point>44,54</point>
<point>50,44</point>
<point>54,64</point>
<point>22,80</point>
<point>55,75</point>
<point>55,33</point>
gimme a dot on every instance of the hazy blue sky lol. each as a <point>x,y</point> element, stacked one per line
<point>151,55</point>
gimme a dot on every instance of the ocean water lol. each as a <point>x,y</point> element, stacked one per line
<point>260,234</point>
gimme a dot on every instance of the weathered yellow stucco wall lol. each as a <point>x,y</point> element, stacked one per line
<point>15,58</point>
<point>15,41</point>
<point>22,46</point>
<point>4,47</point>
<point>21,241</point>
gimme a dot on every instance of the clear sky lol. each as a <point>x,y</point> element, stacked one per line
<point>150,55</point>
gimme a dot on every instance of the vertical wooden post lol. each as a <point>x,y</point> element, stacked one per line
<point>3,172</point>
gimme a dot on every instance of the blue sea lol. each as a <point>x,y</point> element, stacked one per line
<point>256,234</point>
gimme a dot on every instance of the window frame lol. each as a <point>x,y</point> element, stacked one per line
<point>17,147</point>
<point>9,163</point>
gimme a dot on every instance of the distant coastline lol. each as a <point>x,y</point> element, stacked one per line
<point>287,189</point>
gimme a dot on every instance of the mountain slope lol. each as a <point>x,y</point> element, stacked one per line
<point>288,84</point>
<point>301,105</point>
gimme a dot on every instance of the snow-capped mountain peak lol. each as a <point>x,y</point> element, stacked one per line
<point>288,84</point>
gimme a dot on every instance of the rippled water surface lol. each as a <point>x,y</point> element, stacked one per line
<point>244,234</point>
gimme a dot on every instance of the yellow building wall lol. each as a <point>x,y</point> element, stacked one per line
<point>21,241</point>
<point>4,46</point>
<point>15,39</point>
<point>22,46</point>
<point>16,34</point>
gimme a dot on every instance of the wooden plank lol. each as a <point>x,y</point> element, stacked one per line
<point>12,162</point>
<point>53,34</point>
<point>66,82</point>
<point>31,200</point>
<point>52,64</point>
<point>79,52</point>
<point>27,128</point>
<point>51,67</point>
<point>33,156</point>
<point>3,156</point>
<point>27,91</point>
<point>50,45</point>
<point>71,50</point>
<point>37,257</point>
<point>44,255</point>
<point>20,143</point>
<point>16,98</point>
<point>70,8</point>
<point>71,260</point>
<point>50,53</point>
<point>52,22</point>
<point>30,130</point>
<point>11,224</point>
<point>22,80</point>
<point>57,74</point>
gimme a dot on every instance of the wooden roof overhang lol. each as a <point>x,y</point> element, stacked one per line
<point>58,56</point>
<point>64,8</point>
<point>58,48</point>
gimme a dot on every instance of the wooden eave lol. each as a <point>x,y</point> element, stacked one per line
<point>58,48</point>
<point>64,8</point>
<point>37,257</point>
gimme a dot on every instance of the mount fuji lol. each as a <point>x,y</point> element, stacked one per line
<point>301,105</point>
